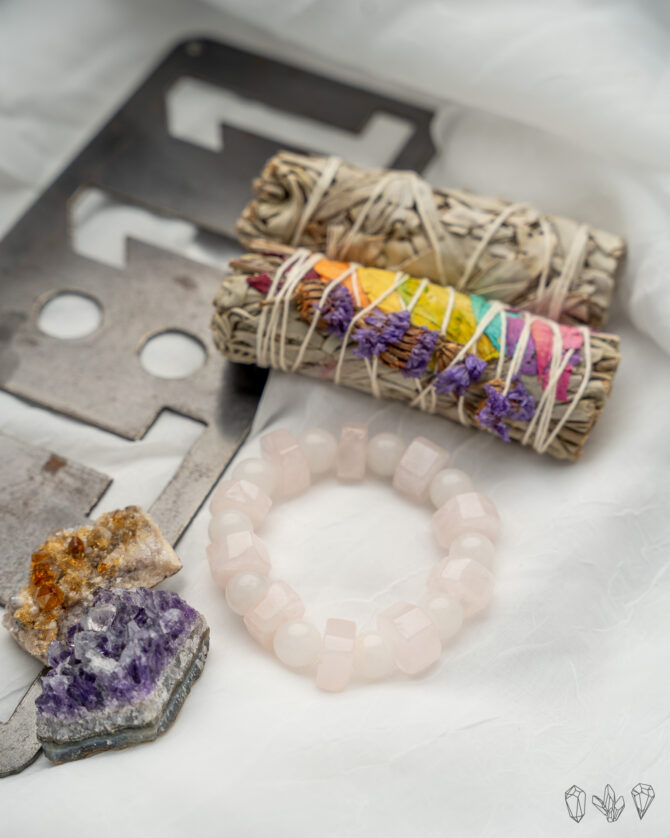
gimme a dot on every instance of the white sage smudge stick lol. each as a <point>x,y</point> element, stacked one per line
<point>517,375</point>
<point>506,251</point>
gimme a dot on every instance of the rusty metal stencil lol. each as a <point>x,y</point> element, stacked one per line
<point>98,379</point>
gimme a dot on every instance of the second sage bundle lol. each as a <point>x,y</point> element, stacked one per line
<point>481,245</point>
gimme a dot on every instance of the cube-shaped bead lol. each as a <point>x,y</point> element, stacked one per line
<point>244,496</point>
<point>235,551</point>
<point>282,449</point>
<point>469,512</point>
<point>337,655</point>
<point>413,635</point>
<point>352,451</point>
<point>419,464</point>
<point>279,605</point>
<point>465,579</point>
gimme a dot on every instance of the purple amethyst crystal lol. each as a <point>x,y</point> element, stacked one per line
<point>122,675</point>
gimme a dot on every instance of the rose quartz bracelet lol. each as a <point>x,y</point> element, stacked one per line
<point>408,637</point>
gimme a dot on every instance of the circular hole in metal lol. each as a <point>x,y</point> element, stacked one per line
<point>69,315</point>
<point>172,354</point>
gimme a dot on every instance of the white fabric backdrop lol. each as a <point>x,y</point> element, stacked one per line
<point>563,681</point>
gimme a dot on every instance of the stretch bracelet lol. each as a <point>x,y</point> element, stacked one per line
<point>408,637</point>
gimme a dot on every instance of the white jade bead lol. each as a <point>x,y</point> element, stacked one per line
<point>473,545</point>
<point>244,590</point>
<point>446,612</point>
<point>227,521</point>
<point>384,453</point>
<point>258,471</point>
<point>447,483</point>
<point>373,656</point>
<point>319,448</point>
<point>297,644</point>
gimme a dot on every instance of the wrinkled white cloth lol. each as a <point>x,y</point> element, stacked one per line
<point>562,681</point>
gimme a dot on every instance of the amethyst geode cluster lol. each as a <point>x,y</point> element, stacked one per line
<point>122,675</point>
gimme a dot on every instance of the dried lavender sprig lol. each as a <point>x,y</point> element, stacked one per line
<point>458,378</point>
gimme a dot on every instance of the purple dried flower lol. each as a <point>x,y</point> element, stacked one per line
<point>397,323</point>
<point>486,418</point>
<point>518,405</point>
<point>421,353</point>
<point>496,402</point>
<point>337,310</point>
<point>369,343</point>
<point>475,367</point>
<point>458,378</point>
<point>522,404</point>
<point>380,331</point>
<point>452,380</point>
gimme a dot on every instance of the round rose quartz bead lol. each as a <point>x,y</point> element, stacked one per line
<point>448,483</point>
<point>243,496</point>
<point>281,448</point>
<point>278,605</point>
<point>258,471</point>
<point>470,512</point>
<point>230,520</point>
<point>473,545</point>
<point>352,451</point>
<point>337,655</point>
<point>297,644</point>
<point>319,448</point>
<point>237,551</point>
<point>384,453</point>
<point>418,466</point>
<point>244,589</point>
<point>373,656</point>
<point>413,635</point>
<point>466,580</point>
<point>446,612</point>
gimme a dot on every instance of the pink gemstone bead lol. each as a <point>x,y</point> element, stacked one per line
<point>244,496</point>
<point>466,580</point>
<point>337,655</point>
<point>279,605</point>
<point>419,464</point>
<point>282,449</point>
<point>469,512</point>
<point>352,453</point>
<point>237,551</point>
<point>413,635</point>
